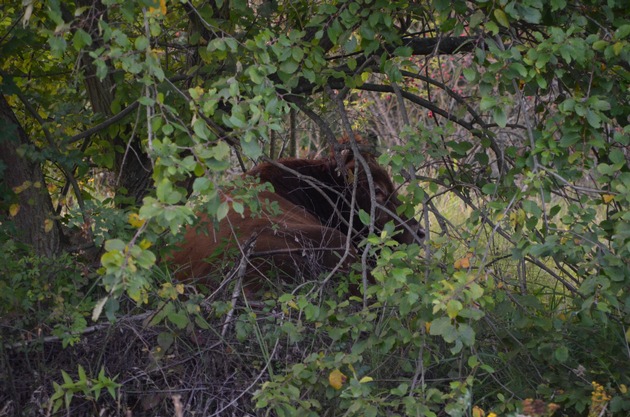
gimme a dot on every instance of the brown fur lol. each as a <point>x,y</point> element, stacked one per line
<point>309,236</point>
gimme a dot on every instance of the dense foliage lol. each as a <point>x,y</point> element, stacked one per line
<point>506,123</point>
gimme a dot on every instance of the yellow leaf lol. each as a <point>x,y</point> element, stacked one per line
<point>607,198</point>
<point>145,244</point>
<point>162,8</point>
<point>478,412</point>
<point>179,288</point>
<point>463,263</point>
<point>135,220</point>
<point>25,185</point>
<point>336,379</point>
<point>366,379</point>
<point>427,326</point>
<point>623,388</point>
<point>48,225</point>
<point>14,209</point>
<point>350,177</point>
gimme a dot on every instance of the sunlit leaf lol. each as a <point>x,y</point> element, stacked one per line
<point>337,379</point>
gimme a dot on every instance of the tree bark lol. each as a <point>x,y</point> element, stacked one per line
<point>28,205</point>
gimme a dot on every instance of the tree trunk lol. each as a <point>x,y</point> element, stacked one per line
<point>132,166</point>
<point>28,205</point>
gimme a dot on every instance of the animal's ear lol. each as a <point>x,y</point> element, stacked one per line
<point>342,161</point>
<point>347,156</point>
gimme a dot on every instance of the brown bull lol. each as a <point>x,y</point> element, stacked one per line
<point>309,233</point>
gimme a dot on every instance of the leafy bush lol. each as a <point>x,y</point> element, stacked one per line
<point>505,123</point>
<point>42,296</point>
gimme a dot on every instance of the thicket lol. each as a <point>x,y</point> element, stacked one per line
<point>505,123</point>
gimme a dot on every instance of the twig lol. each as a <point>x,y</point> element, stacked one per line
<point>104,125</point>
<point>253,384</point>
<point>87,330</point>
<point>242,269</point>
<point>370,180</point>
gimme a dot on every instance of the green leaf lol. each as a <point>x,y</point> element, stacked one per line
<point>80,39</point>
<point>569,139</point>
<point>443,327</point>
<point>561,354</point>
<point>289,66</point>
<point>487,102</point>
<point>146,259</point>
<point>66,378</point>
<point>617,157</point>
<point>489,189</point>
<point>520,68</point>
<point>593,119</point>
<point>82,375</point>
<point>453,307</point>
<point>115,245</point>
<point>221,150</point>
<point>470,74</point>
<point>466,334</point>
<point>237,120</point>
<point>179,319</point>
<point>532,208</point>
<point>499,116</point>
<point>530,14</point>
<point>334,31</point>
<point>165,340</point>
<point>400,390</point>
<point>251,148</point>
<point>364,217</point>
<point>146,101</point>
<point>238,207</point>
<point>606,169</point>
<point>57,46</point>
<point>622,32</point>
<point>202,185</point>
<point>112,390</point>
<point>255,75</point>
<point>477,18</point>
<point>501,18</point>
<point>201,129</point>
<point>231,43</point>
<point>473,361</point>
<point>297,53</point>
<point>476,291</point>
<point>492,28</point>
<point>558,5</point>
<point>600,45</point>
<point>222,210</point>
<point>141,43</point>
